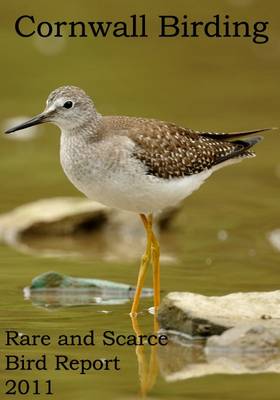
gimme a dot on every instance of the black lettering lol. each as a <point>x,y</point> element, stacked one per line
<point>59,24</point>
<point>18,27</point>
<point>46,340</point>
<point>117,362</point>
<point>108,335</point>
<point>41,29</point>
<point>100,28</point>
<point>169,26</point>
<point>195,24</point>
<point>152,340</point>
<point>121,340</point>
<point>257,31</point>
<point>74,363</point>
<point>142,22</point>
<point>185,26</point>
<point>73,32</point>
<point>62,340</point>
<point>12,362</point>
<point>163,340</point>
<point>120,29</point>
<point>227,27</point>
<point>96,366</point>
<point>10,337</point>
<point>23,386</point>
<point>85,366</point>
<point>213,25</point>
<point>237,30</point>
<point>60,362</point>
<point>76,340</point>
<point>12,389</point>
<point>89,339</point>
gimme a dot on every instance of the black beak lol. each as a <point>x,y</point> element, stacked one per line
<point>39,119</point>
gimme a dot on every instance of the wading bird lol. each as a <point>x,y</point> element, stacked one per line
<point>136,164</point>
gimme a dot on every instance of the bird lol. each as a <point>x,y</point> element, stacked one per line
<point>137,164</point>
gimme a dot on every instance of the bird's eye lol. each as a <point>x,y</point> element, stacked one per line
<point>68,104</point>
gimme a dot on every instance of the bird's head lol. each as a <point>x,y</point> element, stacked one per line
<point>68,107</point>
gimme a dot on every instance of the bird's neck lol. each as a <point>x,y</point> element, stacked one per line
<point>85,129</point>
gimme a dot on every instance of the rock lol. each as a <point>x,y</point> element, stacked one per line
<point>54,217</point>
<point>51,280</point>
<point>45,226</point>
<point>246,329</point>
<point>199,315</point>
<point>53,289</point>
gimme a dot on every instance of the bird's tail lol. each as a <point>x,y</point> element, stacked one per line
<point>233,135</point>
<point>241,148</point>
<point>247,143</point>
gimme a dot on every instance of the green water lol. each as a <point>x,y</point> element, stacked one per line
<point>200,83</point>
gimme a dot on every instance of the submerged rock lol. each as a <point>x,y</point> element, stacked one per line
<point>199,315</point>
<point>53,289</point>
<point>51,280</point>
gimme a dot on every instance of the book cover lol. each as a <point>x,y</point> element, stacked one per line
<point>114,114</point>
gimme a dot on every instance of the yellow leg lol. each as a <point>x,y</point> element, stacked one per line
<point>155,250</point>
<point>144,265</point>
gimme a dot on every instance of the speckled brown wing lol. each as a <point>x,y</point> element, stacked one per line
<point>170,151</point>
